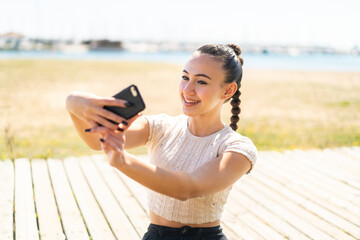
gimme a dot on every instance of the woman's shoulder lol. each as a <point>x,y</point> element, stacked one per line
<point>231,135</point>
<point>236,142</point>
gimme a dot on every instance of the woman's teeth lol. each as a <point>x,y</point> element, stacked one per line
<point>188,101</point>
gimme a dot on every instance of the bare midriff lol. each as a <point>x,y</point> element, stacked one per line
<point>158,220</point>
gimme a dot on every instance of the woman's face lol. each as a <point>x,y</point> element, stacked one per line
<point>202,86</point>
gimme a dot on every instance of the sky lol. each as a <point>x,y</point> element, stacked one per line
<point>329,23</point>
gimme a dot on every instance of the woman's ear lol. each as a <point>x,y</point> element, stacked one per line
<point>230,91</point>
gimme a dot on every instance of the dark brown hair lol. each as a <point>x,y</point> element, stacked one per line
<point>232,64</point>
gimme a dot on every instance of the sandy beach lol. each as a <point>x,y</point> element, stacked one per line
<point>280,109</point>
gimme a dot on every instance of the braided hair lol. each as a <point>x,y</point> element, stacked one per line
<point>232,64</point>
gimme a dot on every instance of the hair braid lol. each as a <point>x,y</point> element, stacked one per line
<point>235,110</point>
<point>235,102</point>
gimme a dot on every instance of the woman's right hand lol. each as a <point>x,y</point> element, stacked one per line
<point>89,108</point>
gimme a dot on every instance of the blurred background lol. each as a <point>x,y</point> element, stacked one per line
<point>301,85</point>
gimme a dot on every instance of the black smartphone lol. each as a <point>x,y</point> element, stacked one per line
<point>133,96</point>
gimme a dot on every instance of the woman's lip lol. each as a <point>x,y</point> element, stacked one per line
<point>190,100</point>
<point>189,104</point>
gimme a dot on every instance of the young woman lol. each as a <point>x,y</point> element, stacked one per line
<point>195,157</point>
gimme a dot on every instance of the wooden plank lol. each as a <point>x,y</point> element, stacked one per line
<point>117,219</point>
<point>72,221</point>
<point>344,190</point>
<point>292,163</point>
<point>353,153</point>
<point>48,217</point>
<point>283,207</point>
<point>94,218</point>
<point>6,199</point>
<point>259,219</point>
<point>235,218</point>
<point>301,172</point>
<point>330,171</point>
<point>310,190</point>
<point>270,218</point>
<point>229,233</point>
<point>135,212</point>
<point>343,161</point>
<point>25,217</point>
<point>320,217</point>
<point>139,191</point>
<point>325,168</point>
<point>267,232</point>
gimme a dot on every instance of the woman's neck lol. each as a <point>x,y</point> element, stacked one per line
<point>203,126</point>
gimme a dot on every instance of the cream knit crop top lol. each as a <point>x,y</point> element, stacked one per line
<point>172,146</point>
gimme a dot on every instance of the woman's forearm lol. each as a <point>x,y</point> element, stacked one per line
<point>172,183</point>
<point>91,140</point>
<point>211,177</point>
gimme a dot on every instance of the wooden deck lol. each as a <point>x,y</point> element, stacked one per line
<point>291,195</point>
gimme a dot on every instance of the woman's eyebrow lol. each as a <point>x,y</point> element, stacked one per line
<point>199,75</point>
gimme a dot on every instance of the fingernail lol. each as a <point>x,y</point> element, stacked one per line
<point>88,130</point>
<point>102,140</point>
<point>119,129</point>
<point>129,104</point>
<point>124,122</point>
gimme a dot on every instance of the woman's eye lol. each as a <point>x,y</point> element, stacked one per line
<point>185,78</point>
<point>202,82</point>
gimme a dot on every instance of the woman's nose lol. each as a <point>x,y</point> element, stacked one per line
<point>189,88</point>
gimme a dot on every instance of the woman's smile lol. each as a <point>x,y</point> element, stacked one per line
<point>190,103</point>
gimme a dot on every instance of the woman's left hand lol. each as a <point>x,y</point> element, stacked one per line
<point>113,141</point>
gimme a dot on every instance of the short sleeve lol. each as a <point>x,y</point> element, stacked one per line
<point>244,146</point>
<point>157,127</point>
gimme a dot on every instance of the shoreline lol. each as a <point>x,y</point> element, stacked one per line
<point>315,62</point>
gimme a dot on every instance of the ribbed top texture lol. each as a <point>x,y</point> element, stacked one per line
<point>172,146</point>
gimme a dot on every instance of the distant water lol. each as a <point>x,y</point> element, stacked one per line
<point>316,62</point>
